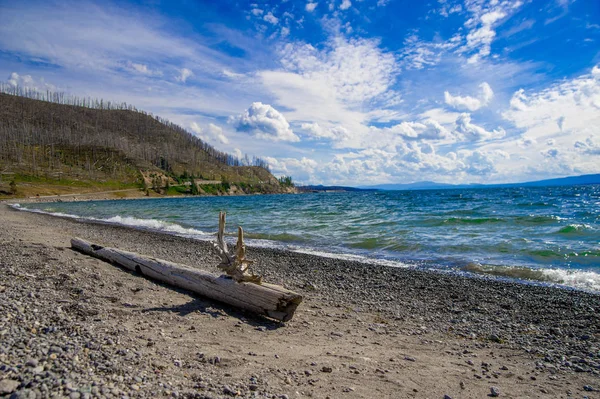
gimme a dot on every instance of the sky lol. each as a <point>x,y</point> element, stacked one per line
<point>338,91</point>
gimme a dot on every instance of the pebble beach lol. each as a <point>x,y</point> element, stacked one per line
<point>74,326</point>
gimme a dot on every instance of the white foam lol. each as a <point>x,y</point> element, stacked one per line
<point>149,224</point>
<point>351,257</point>
<point>585,280</point>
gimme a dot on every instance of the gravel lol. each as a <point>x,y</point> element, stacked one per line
<point>52,343</point>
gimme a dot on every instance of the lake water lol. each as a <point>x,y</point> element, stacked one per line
<point>547,235</point>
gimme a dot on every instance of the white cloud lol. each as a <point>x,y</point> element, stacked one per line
<point>270,18</point>
<point>566,111</point>
<point>428,129</point>
<point>28,82</point>
<point>265,122</point>
<point>310,7</point>
<point>346,4</point>
<point>141,68</point>
<point>471,103</point>
<point>419,54</point>
<point>355,69</point>
<point>474,132</point>
<point>589,146</point>
<point>550,153</point>
<point>232,75</point>
<point>334,86</point>
<point>257,12</point>
<point>212,133</point>
<point>486,17</point>
<point>96,37</point>
<point>184,74</point>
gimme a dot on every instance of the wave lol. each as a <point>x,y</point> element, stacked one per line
<point>351,257</point>
<point>580,279</point>
<point>472,220</point>
<point>537,219</point>
<point>574,229</point>
<point>129,221</point>
<point>283,237</point>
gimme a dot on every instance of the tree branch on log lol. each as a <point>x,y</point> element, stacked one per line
<point>234,263</point>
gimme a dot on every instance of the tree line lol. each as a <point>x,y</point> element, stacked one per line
<point>50,130</point>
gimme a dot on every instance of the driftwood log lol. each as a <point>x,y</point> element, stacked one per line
<point>266,299</point>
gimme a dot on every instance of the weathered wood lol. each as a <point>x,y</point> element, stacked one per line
<point>267,299</point>
<point>234,263</point>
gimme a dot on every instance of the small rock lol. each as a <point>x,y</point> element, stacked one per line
<point>462,385</point>
<point>31,363</point>
<point>410,358</point>
<point>447,397</point>
<point>228,391</point>
<point>326,369</point>
<point>494,392</point>
<point>588,388</point>
<point>494,338</point>
<point>261,328</point>
<point>8,386</point>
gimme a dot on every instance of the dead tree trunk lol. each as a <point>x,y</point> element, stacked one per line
<point>267,299</point>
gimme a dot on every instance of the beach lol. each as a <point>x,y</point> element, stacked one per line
<point>75,326</point>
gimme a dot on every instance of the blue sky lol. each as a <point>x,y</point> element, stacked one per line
<point>338,91</point>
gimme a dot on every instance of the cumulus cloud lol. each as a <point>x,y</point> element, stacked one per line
<point>184,74</point>
<point>310,7</point>
<point>28,82</point>
<point>303,169</point>
<point>424,130</point>
<point>570,110</point>
<point>211,133</point>
<point>265,122</point>
<point>346,4</point>
<point>270,18</point>
<point>550,153</point>
<point>334,84</point>
<point>316,131</point>
<point>588,146</point>
<point>474,132</point>
<point>468,103</point>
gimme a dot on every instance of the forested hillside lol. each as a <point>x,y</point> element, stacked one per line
<point>58,138</point>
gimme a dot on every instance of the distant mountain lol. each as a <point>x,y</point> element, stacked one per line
<point>321,188</point>
<point>428,185</point>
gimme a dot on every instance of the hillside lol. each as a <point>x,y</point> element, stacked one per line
<point>100,145</point>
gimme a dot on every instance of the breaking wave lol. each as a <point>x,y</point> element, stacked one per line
<point>581,279</point>
<point>129,221</point>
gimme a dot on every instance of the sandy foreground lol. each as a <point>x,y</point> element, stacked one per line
<point>75,326</point>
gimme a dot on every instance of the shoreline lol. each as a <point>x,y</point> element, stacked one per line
<point>567,279</point>
<point>448,324</point>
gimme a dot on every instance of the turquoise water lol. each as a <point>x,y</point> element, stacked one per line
<point>549,234</point>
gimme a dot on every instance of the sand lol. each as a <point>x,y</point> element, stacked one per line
<point>74,326</point>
